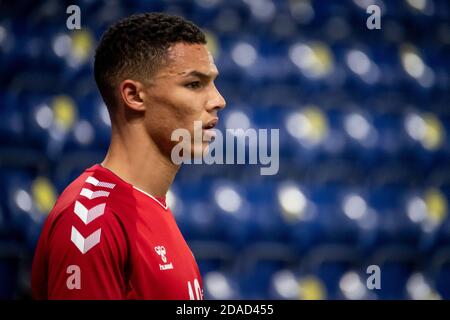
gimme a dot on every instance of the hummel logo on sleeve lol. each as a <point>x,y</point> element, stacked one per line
<point>85,244</point>
<point>98,183</point>
<point>89,215</point>
<point>88,193</point>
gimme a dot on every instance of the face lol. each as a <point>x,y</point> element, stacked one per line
<point>182,92</point>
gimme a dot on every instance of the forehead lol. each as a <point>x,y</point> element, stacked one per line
<point>182,58</point>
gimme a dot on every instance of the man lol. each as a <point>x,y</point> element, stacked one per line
<point>111,235</point>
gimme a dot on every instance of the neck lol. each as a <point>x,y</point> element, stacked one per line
<point>135,158</point>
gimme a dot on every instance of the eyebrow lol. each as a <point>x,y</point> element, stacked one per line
<point>202,75</point>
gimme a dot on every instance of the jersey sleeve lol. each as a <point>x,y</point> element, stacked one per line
<point>81,255</point>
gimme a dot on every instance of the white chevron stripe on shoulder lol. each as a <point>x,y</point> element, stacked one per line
<point>85,244</point>
<point>88,215</point>
<point>98,183</point>
<point>88,193</point>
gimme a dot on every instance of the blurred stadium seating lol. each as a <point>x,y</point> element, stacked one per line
<point>364,120</point>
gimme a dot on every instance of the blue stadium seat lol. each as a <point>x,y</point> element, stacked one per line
<point>257,264</point>
<point>9,267</point>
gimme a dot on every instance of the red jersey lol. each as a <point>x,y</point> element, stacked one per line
<point>106,239</point>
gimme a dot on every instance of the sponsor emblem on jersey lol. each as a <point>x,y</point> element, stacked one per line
<point>161,251</point>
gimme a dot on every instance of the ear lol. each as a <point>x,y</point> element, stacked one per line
<point>131,92</point>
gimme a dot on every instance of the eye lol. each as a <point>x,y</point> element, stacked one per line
<point>194,85</point>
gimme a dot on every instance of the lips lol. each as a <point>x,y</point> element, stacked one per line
<point>211,124</point>
<point>208,133</point>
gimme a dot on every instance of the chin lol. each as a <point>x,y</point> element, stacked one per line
<point>200,151</point>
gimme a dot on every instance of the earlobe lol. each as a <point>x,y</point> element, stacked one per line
<point>131,92</point>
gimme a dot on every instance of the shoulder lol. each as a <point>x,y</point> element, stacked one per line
<point>87,212</point>
<point>94,191</point>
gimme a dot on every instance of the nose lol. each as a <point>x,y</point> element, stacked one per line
<point>217,102</point>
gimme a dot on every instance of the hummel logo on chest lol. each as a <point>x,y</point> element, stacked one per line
<point>161,251</point>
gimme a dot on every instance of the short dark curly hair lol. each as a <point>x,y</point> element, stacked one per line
<point>136,47</point>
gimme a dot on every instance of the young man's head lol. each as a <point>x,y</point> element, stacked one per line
<point>155,72</point>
